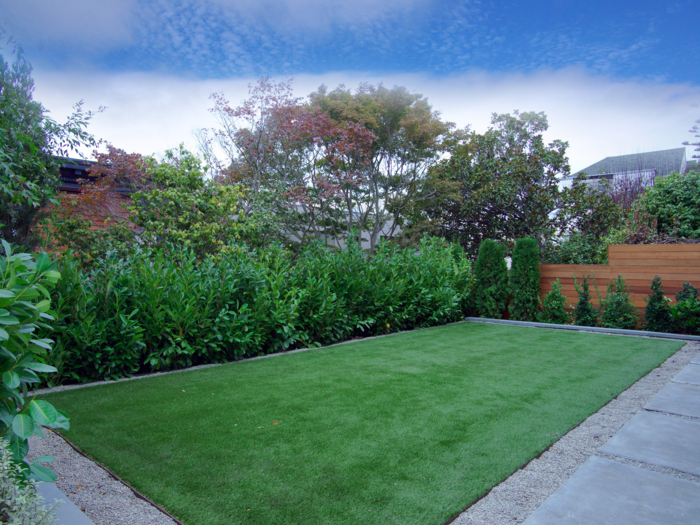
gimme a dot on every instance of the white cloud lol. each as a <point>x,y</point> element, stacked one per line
<point>599,117</point>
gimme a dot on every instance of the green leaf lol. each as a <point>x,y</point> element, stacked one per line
<point>11,379</point>
<point>43,459</point>
<point>8,249</point>
<point>23,425</point>
<point>4,336</point>
<point>19,447</point>
<point>6,294</point>
<point>43,412</point>
<point>42,473</point>
<point>40,367</point>
<point>43,263</point>
<point>62,420</point>
<point>42,343</point>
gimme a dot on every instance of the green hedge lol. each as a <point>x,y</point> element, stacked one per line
<point>150,311</point>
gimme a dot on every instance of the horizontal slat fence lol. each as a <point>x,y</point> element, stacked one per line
<point>638,264</point>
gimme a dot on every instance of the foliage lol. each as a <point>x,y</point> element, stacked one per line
<point>577,248</point>
<point>166,308</point>
<point>695,129</point>
<point>658,311</point>
<point>674,201</point>
<point>490,280</point>
<point>168,202</point>
<point>688,291</point>
<point>29,142</point>
<point>20,503</point>
<point>553,306</point>
<point>24,311</point>
<point>507,183</point>
<point>617,308</point>
<point>525,281</point>
<point>686,316</point>
<point>686,311</point>
<point>585,314</point>
<point>342,162</point>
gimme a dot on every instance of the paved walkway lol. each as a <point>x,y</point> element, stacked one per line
<point>609,490</point>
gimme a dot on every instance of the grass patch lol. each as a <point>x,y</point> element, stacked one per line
<point>396,430</point>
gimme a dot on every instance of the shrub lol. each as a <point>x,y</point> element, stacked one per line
<point>585,314</point>
<point>24,311</point>
<point>20,503</point>
<point>525,281</point>
<point>553,306</point>
<point>491,280</point>
<point>167,309</point>
<point>675,202</point>
<point>658,312</point>
<point>618,310</point>
<point>686,311</point>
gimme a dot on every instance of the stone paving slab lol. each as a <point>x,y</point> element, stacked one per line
<point>604,492</point>
<point>677,398</point>
<point>690,374</point>
<point>67,513</point>
<point>659,439</point>
<point>696,360</point>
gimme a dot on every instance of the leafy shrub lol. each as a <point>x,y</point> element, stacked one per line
<point>686,311</point>
<point>553,306</point>
<point>658,312</point>
<point>525,281</point>
<point>20,503</point>
<point>24,310</point>
<point>617,307</point>
<point>578,248</point>
<point>167,309</point>
<point>687,292</point>
<point>585,314</point>
<point>491,280</point>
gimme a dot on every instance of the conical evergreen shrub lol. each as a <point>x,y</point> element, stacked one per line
<point>585,314</point>
<point>525,281</point>
<point>658,311</point>
<point>553,306</point>
<point>618,310</point>
<point>491,280</point>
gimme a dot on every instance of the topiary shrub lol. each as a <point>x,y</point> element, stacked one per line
<point>687,292</point>
<point>525,281</point>
<point>618,310</point>
<point>491,280</point>
<point>585,314</point>
<point>553,306</point>
<point>658,312</point>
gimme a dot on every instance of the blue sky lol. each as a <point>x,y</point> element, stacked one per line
<point>590,62</point>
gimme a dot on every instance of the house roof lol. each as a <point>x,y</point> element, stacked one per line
<point>662,163</point>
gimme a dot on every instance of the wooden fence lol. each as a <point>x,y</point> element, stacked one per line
<point>638,264</point>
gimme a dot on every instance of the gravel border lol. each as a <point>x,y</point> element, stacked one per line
<point>107,501</point>
<point>519,495</point>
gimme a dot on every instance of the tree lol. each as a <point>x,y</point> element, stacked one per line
<point>524,284</point>
<point>490,280</point>
<point>295,162</point>
<point>675,202</point>
<point>29,144</point>
<point>508,183</point>
<point>407,139</point>
<point>658,310</point>
<point>695,129</point>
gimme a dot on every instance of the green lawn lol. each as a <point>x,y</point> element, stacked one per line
<point>407,429</point>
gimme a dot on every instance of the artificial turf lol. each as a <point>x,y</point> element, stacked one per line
<point>406,429</point>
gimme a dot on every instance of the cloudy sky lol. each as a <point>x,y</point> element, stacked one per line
<point>613,77</point>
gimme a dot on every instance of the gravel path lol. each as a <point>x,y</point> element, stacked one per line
<point>107,501</point>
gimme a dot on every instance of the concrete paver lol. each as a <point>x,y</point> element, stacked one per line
<point>605,492</point>
<point>677,398</point>
<point>67,513</point>
<point>690,374</point>
<point>659,439</point>
<point>696,360</point>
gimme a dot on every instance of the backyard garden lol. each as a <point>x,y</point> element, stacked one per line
<point>359,218</point>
